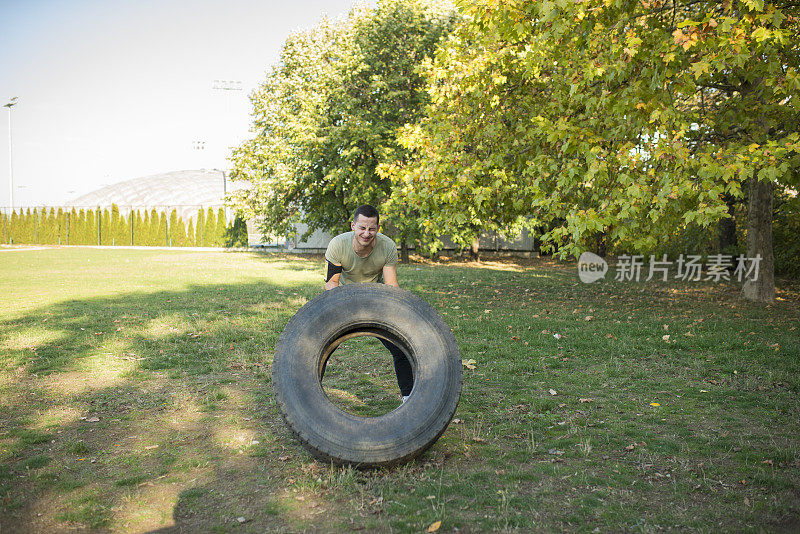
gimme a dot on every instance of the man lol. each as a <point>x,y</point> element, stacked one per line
<point>365,255</point>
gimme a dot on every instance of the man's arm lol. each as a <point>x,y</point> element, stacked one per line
<point>390,275</point>
<point>334,273</point>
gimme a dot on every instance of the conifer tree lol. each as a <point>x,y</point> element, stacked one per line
<point>73,227</point>
<point>161,234</point>
<point>152,229</point>
<point>198,241</point>
<point>89,232</point>
<point>209,228</point>
<point>222,228</point>
<point>84,226</point>
<point>113,225</point>
<point>177,231</point>
<point>13,228</point>
<point>139,228</point>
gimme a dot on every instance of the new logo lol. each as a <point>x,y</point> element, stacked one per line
<point>591,267</point>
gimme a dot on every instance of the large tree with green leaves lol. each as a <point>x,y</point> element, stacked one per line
<point>327,116</point>
<point>615,121</point>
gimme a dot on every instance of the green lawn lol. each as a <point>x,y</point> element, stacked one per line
<point>135,395</point>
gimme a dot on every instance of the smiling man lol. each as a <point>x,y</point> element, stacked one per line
<point>366,255</point>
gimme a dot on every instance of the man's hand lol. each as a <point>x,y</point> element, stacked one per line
<point>390,275</point>
<point>333,282</point>
<point>332,278</point>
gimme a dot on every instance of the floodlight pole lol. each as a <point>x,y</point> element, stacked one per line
<point>11,103</point>
<point>226,85</point>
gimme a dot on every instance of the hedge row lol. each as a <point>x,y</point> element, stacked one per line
<point>51,226</point>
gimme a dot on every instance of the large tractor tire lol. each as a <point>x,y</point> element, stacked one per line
<point>396,315</point>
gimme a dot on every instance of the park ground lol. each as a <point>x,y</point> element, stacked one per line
<point>135,396</point>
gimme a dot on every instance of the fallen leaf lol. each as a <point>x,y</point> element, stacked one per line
<point>588,318</point>
<point>151,447</point>
<point>434,526</point>
<point>630,447</point>
<point>469,364</point>
<point>768,462</point>
<point>654,404</point>
<point>514,338</point>
<point>553,392</point>
<point>241,519</point>
<point>585,400</point>
<point>93,419</point>
<point>665,338</point>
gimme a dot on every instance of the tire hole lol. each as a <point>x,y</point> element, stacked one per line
<point>359,377</point>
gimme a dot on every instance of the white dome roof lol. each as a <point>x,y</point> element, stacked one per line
<point>185,191</point>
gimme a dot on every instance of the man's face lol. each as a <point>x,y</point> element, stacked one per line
<point>365,229</point>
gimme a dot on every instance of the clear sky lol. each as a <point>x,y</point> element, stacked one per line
<point>111,90</point>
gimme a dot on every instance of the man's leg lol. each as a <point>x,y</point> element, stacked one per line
<point>402,368</point>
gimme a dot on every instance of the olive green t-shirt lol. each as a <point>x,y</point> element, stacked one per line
<point>356,269</point>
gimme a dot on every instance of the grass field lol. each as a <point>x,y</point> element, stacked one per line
<point>135,396</point>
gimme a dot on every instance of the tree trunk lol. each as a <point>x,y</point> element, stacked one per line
<point>403,251</point>
<point>474,250</point>
<point>602,250</point>
<point>727,227</point>
<point>759,241</point>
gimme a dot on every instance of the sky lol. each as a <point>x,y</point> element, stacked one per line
<point>114,90</point>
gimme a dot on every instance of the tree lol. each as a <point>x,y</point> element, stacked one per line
<point>177,230</point>
<point>90,228</point>
<point>209,228</point>
<point>160,237</point>
<point>139,228</point>
<point>221,231</point>
<point>327,116</point>
<point>617,120</point>
<point>155,235</point>
<point>190,235</point>
<point>198,236</point>
<point>48,228</point>
<point>236,233</point>
<point>62,227</point>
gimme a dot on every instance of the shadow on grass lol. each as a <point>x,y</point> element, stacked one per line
<point>145,410</point>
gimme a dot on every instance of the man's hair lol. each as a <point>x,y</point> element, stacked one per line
<point>367,211</point>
